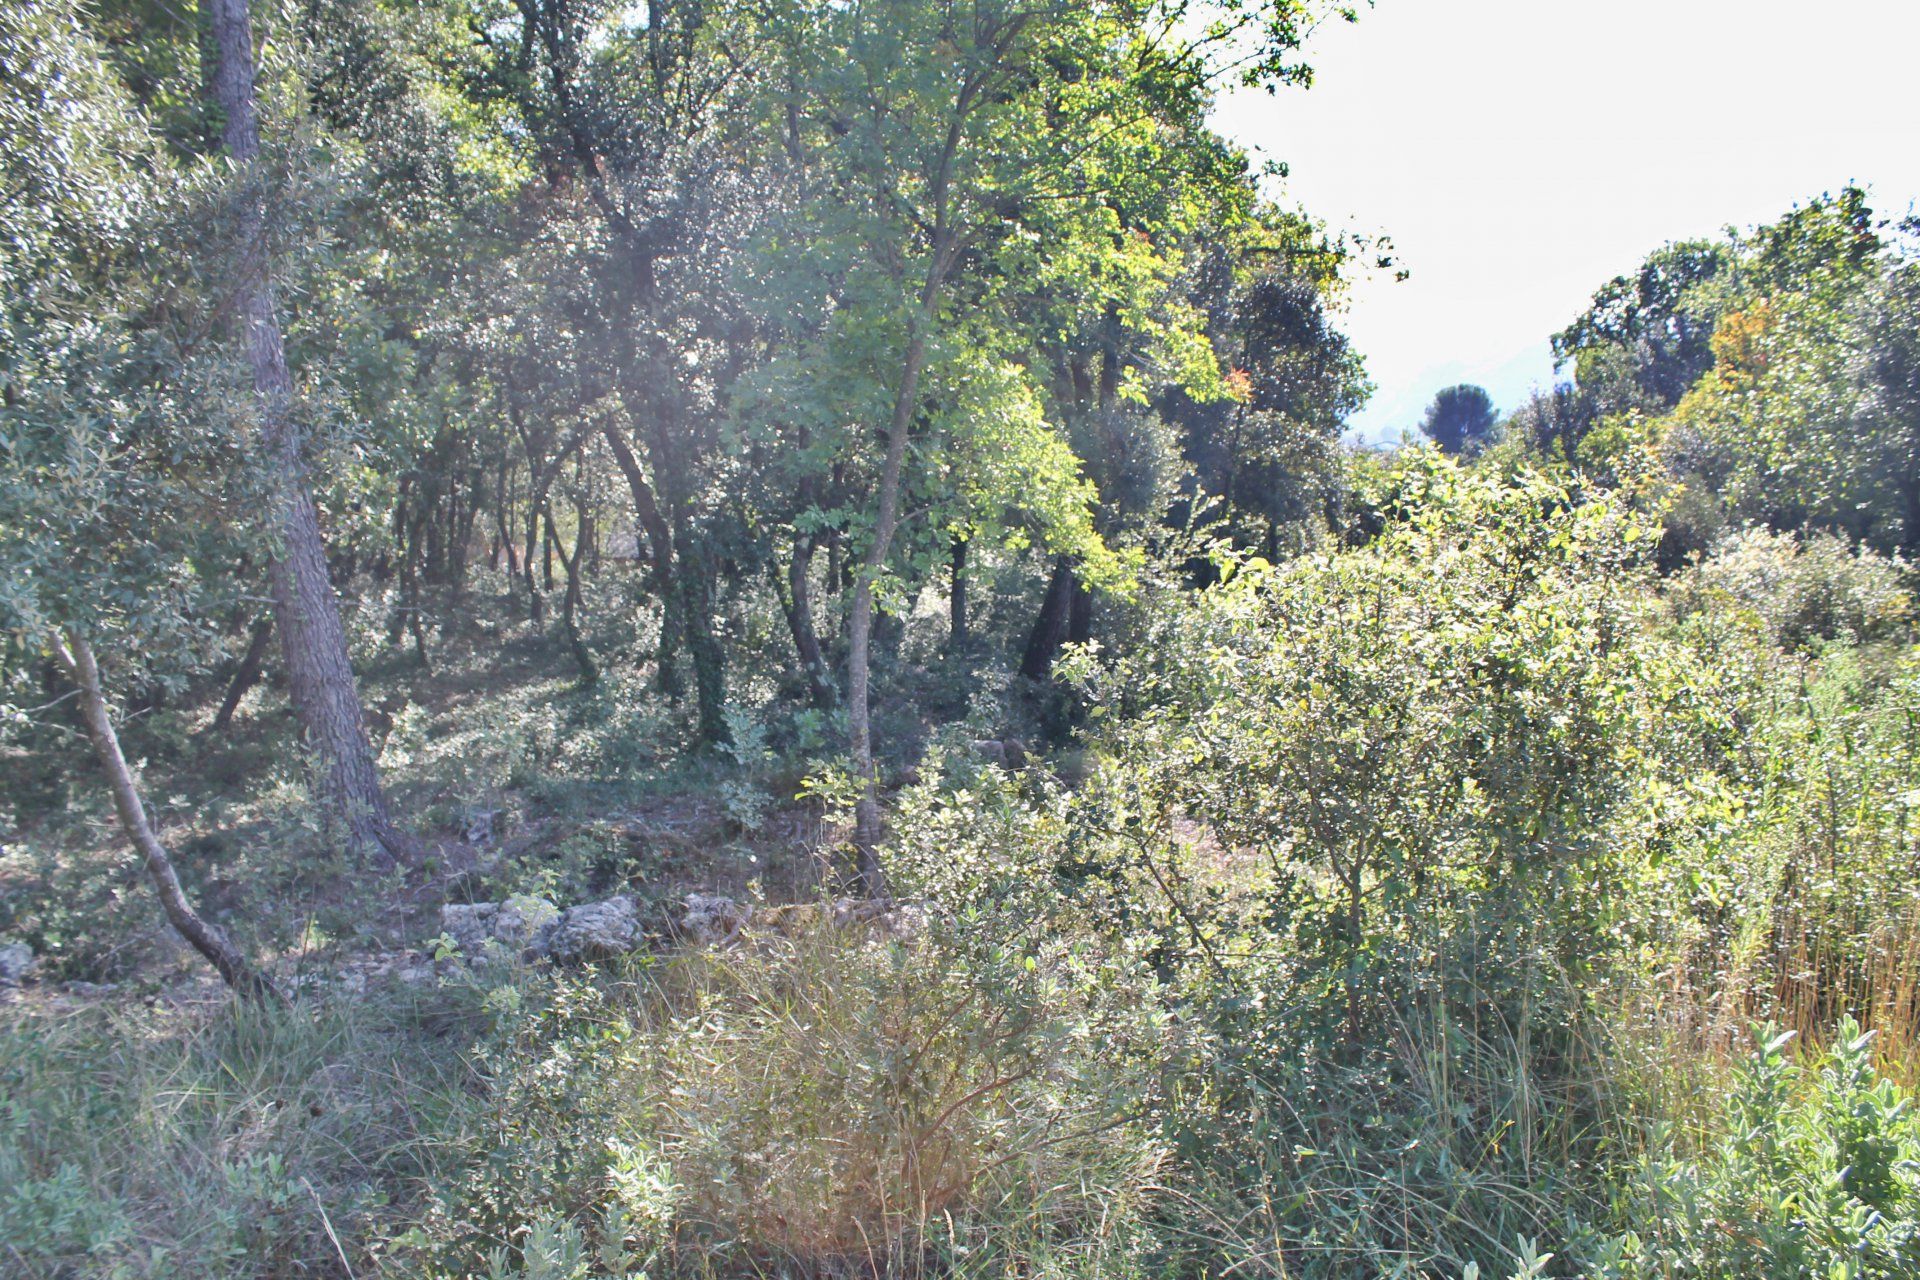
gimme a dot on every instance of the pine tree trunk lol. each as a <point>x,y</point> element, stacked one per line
<point>76,655</point>
<point>319,673</point>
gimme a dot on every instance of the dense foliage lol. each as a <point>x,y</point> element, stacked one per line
<point>879,462</point>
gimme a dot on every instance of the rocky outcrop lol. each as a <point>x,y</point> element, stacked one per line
<point>525,927</point>
<point>710,919</point>
<point>484,932</point>
<point>593,931</point>
<point>528,928</point>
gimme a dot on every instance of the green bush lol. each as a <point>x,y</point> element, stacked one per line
<point>1811,1173</point>
<point>1803,590</point>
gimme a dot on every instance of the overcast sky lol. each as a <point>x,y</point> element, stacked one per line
<point>1521,152</point>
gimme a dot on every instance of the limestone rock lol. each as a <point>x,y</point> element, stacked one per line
<point>480,826</point>
<point>528,928</point>
<point>593,931</point>
<point>712,918</point>
<point>492,931</point>
<point>17,963</point>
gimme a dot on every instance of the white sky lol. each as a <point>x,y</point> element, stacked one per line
<point>1522,152</point>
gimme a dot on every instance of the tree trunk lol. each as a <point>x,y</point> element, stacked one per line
<point>866,812</point>
<point>319,672</point>
<point>1050,628</point>
<point>646,508</point>
<point>76,655</point>
<point>246,673</point>
<point>692,592</point>
<point>661,579</point>
<point>503,533</point>
<point>536,605</point>
<point>572,603</point>
<point>796,602</point>
<point>957,598</point>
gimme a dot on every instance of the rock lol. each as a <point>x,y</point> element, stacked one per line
<point>991,750</point>
<point>593,931</point>
<point>528,928</point>
<point>479,829</point>
<point>712,918</point>
<point>470,926</point>
<point>492,931</point>
<point>17,964</point>
<point>1008,753</point>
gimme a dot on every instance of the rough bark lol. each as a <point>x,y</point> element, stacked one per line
<point>319,674</point>
<point>76,655</point>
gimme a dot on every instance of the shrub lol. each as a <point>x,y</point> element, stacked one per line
<point>1810,1172</point>
<point>1803,590</point>
<point>830,1101</point>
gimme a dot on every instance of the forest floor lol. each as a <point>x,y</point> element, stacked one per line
<point>519,780</point>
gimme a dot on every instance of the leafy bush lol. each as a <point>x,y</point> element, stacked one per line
<point>1810,1172</point>
<point>1803,590</point>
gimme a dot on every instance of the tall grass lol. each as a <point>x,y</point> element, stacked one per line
<point>219,1142</point>
<point>835,1103</point>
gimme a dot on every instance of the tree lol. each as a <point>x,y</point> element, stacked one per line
<point>1892,345</point>
<point>1553,423</point>
<point>637,133</point>
<point>1270,455</point>
<point>319,671</point>
<point>1461,418</point>
<point>1645,338</point>
<point>963,162</point>
<point>1805,417</point>
<point>123,461</point>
